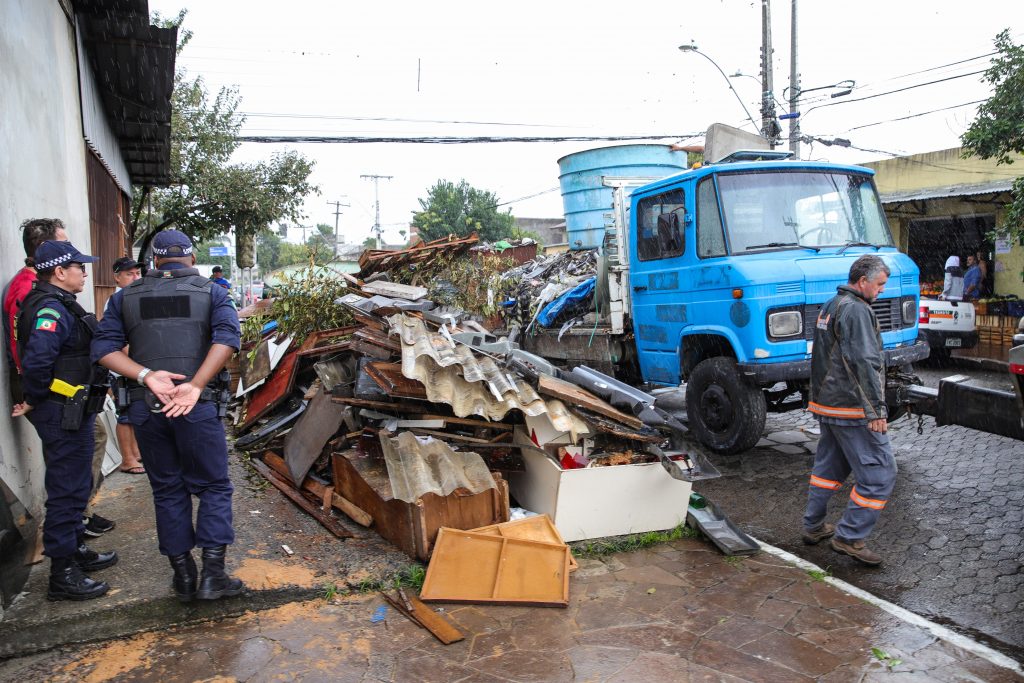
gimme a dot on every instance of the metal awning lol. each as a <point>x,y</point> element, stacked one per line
<point>945,191</point>
<point>133,64</point>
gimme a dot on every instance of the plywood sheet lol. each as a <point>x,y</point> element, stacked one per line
<point>575,396</point>
<point>481,568</point>
<point>273,393</point>
<point>536,528</point>
<point>306,440</point>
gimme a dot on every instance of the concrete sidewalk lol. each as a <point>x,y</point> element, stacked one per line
<point>679,612</point>
<point>141,598</point>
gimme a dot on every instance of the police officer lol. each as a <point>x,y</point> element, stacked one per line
<point>180,329</point>
<point>63,392</point>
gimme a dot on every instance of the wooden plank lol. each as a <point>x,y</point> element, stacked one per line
<point>603,424</point>
<point>431,620</point>
<point>447,435</point>
<point>357,514</point>
<point>389,377</point>
<point>273,392</point>
<point>296,497</point>
<point>479,568</point>
<point>400,408</point>
<point>314,428</point>
<point>574,395</point>
<point>469,422</point>
<point>535,528</point>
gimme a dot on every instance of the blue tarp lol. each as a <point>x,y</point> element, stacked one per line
<point>576,298</point>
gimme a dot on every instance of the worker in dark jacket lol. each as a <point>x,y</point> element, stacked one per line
<point>63,391</point>
<point>848,396</point>
<point>180,329</point>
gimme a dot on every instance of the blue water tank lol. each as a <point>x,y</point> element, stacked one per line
<point>586,200</point>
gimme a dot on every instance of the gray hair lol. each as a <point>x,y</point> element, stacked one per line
<point>868,266</point>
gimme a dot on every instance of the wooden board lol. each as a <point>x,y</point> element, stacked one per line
<point>362,478</point>
<point>320,490</point>
<point>536,528</point>
<point>314,428</point>
<point>271,394</point>
<point>480,568</point>
<point>575,396</point>
<point>430,620</point>
<point>296,496</point>
<point>389,377</point>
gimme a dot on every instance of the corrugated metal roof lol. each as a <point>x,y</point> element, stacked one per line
<point>958,190</point>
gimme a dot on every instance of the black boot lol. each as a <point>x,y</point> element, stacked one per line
<point>67,582</point>
<point>91,561</point>
<point>214,583</point>
<point>185,576</point>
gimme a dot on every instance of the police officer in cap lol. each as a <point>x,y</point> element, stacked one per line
<point>180,329</point>
<point>63,392</point>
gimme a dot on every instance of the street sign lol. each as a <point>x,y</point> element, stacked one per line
<point>218,251</point>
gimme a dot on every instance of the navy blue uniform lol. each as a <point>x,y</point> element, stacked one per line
<point>67,454</point>
<point>185,455</point>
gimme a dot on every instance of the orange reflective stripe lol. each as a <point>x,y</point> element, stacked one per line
<point>831,411</point>
<point>825,483</point>
<point>866,502</point>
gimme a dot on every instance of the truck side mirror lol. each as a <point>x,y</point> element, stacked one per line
<point>670,237</point>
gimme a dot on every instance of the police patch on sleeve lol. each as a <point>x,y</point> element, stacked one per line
<point>50,312</point>
<point>46,324</point>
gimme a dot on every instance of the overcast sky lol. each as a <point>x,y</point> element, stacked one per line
<point>531,68</point>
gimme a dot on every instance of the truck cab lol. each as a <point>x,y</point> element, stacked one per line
<point>730,263</point>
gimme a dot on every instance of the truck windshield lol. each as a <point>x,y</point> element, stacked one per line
<point>794,209</point>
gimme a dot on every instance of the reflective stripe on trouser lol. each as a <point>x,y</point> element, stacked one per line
<point>868,455</point>
<point>186,456</point>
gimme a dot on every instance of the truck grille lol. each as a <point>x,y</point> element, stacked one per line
<point>886,310</point>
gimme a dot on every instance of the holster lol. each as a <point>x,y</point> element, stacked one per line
<point>74,411</point>
<point>121,398</point>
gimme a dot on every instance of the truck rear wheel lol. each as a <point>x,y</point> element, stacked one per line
<point>725,413</point>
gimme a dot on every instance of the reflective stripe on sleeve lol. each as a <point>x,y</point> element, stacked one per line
<point>825,483</point>
<point>830,411</point>
<point>866,502</point>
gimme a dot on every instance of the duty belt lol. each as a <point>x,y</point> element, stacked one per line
<point>139,394</point>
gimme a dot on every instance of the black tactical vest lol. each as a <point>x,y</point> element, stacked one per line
<point>73,365</point>
<point>166,317</point>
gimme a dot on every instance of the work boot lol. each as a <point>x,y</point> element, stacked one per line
<point>67,582</point>
<point>214,583</point>
<point>89,560</point>
<point>185,576</point>
<point>815,537</point>
<point>857,550</point>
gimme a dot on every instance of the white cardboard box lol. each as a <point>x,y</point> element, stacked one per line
<point>598,501</point>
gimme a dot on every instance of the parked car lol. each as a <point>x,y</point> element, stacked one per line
<point>947,325</point>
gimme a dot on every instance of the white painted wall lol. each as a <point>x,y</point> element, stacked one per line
<point>42,174</point>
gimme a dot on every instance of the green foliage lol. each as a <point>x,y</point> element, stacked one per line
<point>818,574</point>
<point>458,280</point>
<point>202,252</point>
<point>272,252</point>
<point>460,209</point>
<point>885,658</point>
<point>626,544</point>
<point>209,195</point>
<point>998,130</point>
<point>410,576</point>
<point>303,303</point>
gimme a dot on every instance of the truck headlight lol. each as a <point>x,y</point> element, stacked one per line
<point>785,324</point>
<point>909,312</point>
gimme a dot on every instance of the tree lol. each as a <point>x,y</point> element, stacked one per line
<point>209,195</point>
<point>461,209</point>
<point>998,130</point>
<point>272,252</point>
<point>370,243</point>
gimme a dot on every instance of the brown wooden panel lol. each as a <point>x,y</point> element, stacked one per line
<point>536,528</point>
<point>480,568</point>
<point>576,396</point>
<point>108,223</point>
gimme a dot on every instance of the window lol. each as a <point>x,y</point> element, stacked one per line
<point>787,209</point>
<point>710,238</point>
<point>659,227</point>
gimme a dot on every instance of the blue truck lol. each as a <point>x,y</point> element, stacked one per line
<point>714,276</point>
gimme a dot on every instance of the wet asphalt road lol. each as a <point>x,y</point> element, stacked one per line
<point>951,535</point>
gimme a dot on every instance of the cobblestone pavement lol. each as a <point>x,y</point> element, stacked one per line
<point>677,612</point>
<point>951,534</point>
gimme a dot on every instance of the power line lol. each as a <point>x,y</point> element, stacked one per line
<point>325,117</point>
<point>449,140</point>
<point>922,71</point>
<point>914,116</point>
<point>891,92</point>
<point>529,196</point>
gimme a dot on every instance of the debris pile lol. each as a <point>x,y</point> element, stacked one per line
<point>414,420</point>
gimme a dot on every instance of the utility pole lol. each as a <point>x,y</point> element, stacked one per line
<point>768,124</point>
<point>376,200</point>
<point>337,213</point>
<point>794,90</point>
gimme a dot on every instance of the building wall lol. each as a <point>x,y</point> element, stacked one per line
<point>944,168</point>
<point>42,174</point>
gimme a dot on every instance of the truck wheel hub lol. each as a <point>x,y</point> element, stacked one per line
<point>716,408</point>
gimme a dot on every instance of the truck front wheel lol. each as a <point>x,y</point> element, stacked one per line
<point>725,413</point>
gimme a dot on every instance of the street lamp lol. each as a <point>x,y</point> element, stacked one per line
<point>693,48</point>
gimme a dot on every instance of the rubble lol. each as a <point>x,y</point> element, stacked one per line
<point>403,418</point>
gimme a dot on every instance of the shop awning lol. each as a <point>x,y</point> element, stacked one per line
<point>945,191</point>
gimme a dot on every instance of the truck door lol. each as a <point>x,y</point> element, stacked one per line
<point>656,278</point>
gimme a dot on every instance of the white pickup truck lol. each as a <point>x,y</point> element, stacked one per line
<point>947,325</point>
